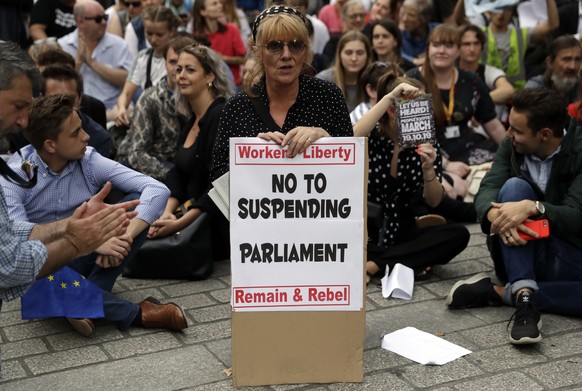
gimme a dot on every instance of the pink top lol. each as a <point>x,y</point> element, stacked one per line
<point>332,19</point>
<point>229,43</point>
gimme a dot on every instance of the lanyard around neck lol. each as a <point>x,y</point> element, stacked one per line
<point>451,106</point>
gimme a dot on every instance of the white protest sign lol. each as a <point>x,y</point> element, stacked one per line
<point>297,225</point>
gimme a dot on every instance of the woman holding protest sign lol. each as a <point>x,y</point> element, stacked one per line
<point>286,106</point>
<point>458,97</point>
<point>398,179</point>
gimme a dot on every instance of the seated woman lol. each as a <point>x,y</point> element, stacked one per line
<point>148,69</point>
<point>368,84</point>
<point>353,55</point>
<point>458,96</point>
<point>387,43</point>
<point>225,39</point>
<point>203,88</point>
<point>281,107</point>
<point>149,145</point>
<point>398,179</point>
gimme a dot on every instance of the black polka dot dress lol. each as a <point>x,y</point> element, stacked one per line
<point>397,194</point>
<point>319,104</point>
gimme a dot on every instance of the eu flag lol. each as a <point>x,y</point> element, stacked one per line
<point>63,293</point>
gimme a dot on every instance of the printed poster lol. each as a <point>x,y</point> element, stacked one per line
<point>297,226</point>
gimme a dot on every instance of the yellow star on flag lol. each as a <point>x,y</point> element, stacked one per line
<point>51,278</point>
<point>63,285</point>
<point>76,283</point>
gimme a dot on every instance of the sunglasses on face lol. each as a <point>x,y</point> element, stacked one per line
<point>134,4</point>
<point>276,47</point>
<point>98,19</point>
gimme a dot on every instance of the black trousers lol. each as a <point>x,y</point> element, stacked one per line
<point>422,247</point>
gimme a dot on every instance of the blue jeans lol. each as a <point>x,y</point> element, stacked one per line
<point>551,267</point>
<point>119,311</point>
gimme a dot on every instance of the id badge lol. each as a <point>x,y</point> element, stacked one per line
<point>452,132</point>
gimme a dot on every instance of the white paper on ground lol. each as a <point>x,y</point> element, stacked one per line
<point>422,347</point>
<point>399,284</point>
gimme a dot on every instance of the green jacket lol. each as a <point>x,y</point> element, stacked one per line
<point>563,196</point>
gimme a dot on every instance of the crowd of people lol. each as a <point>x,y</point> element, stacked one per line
<point>143,97</point>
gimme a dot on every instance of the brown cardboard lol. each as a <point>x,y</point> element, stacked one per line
<point>297,347</point>
<point>300,347</point>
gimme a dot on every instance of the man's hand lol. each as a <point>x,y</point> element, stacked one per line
<point>87,232</point>
<point>511,237</point>
<point>107,261</point>
<point>507,215</point>
<point>117,246</point>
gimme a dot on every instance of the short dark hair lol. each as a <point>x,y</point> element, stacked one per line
<point>61,72</point>
<point>15,62</point>
<point>543,107</point>
<point>374,72</point>
<point>54,55</point>
<point>46,118</point>
<point>561,43</point>
<point>480,35</point>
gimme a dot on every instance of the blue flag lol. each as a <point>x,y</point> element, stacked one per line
<point>63,293</point>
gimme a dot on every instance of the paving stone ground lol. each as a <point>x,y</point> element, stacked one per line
<point>49,355</point>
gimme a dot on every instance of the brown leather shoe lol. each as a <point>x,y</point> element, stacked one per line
<point>83,326</point>
<point>162,316</point>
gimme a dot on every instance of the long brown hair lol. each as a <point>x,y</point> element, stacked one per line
<point>338,69</point>
<point>199,22</point>
<point>447,34</point>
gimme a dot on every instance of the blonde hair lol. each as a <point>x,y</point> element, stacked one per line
<point>211,64</point>
<point>276,26</point>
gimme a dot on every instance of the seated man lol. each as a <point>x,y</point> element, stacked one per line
<point>562,68</point>
<point>535,175</point>
<point>62,79</point>
<point>70,172</point>
<point>90,106</point>
<point>102,58</point>
<point>500,89</point>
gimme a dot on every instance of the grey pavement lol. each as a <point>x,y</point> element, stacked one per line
<point>49,355</point>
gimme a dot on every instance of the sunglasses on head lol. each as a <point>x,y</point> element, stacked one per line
<point>98,19</point>
<point>276,47</point>
<point>134,4</point>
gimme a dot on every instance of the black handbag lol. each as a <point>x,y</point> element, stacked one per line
<point>187,254</point>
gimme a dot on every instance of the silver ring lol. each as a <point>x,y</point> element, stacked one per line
<point>309,139</point>
<point>507,235</point>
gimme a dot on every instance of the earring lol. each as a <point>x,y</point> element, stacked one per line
<point>209,85</point>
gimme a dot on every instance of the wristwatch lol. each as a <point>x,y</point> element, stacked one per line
<point>540,208</point>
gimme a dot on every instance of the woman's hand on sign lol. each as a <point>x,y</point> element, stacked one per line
<point>404,90</point>
<point>427,154</point>
<point>272,136</point>
<point>300,138</point>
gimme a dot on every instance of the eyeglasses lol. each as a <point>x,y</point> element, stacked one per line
<point>356,16</point>
<point>98,19</point>
<point>134,4</point>
<point>276,47</point>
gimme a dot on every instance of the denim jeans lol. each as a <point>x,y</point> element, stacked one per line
<point>119,311</point>
<point>551,267</point>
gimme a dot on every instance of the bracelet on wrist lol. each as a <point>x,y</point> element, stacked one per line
<point>432,179</point>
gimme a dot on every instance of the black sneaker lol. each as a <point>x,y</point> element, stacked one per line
<point>474,292</point>
<point>526,321</point>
